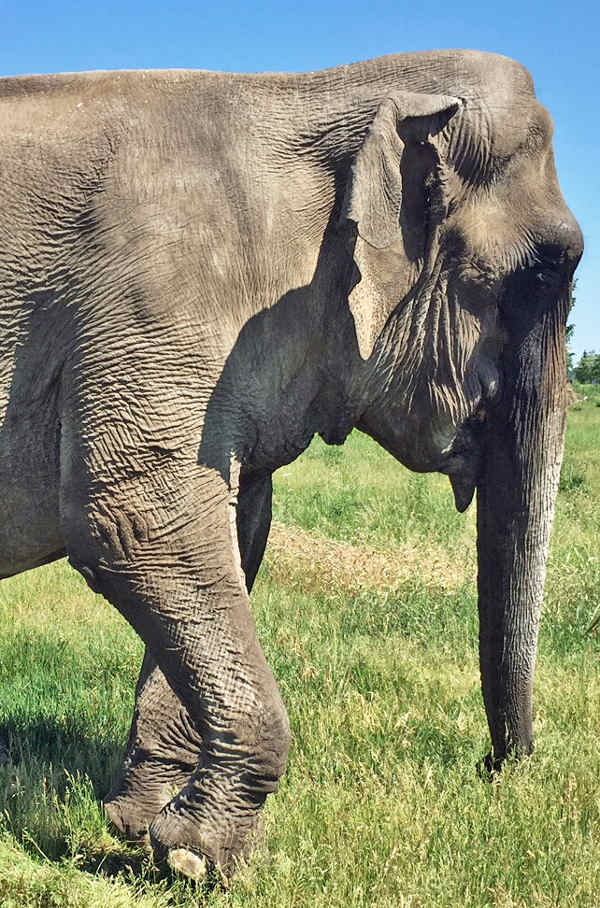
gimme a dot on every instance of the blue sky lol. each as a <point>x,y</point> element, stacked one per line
<point>559,44</point>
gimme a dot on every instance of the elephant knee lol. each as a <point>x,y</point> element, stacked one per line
<point>263,741</point>
<point>277,740</point>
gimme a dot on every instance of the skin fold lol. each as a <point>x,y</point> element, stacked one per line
<point>198,272</point>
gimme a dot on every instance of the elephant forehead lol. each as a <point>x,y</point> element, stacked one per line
<point>525,127</point>
<point>491,230</point>
<point>520,197</point>
<point>495,132</point>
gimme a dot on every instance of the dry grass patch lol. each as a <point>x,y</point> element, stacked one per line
<point>316,562</point>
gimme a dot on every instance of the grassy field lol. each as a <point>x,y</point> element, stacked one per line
<point>366,608</point>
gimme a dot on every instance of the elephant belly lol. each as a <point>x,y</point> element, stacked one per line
<point>29,482</point>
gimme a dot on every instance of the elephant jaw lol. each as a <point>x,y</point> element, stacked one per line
<point>460,460</point>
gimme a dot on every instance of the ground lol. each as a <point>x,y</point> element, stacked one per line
<point>366,609</point>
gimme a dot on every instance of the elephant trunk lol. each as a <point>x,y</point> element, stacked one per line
<point>516,493</point>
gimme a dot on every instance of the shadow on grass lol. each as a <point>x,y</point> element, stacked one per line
<point>53,775</point>
<point>68,746</point>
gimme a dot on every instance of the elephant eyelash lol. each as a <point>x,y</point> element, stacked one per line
<point>548,276</point>
<point>475,271</point>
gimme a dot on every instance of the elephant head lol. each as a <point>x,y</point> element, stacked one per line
<point>466,251</point>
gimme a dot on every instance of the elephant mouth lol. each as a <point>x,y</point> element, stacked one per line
<point>460,458</point>
<point>440,442</point>
<point>463,463</point>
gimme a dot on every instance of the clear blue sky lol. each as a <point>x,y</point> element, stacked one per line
<point>558,42</point>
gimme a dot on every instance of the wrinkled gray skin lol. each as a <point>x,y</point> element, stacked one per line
<point>199,271</point>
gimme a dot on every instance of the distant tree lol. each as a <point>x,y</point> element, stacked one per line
<point>587,370</point>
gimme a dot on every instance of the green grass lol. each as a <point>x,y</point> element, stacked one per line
<point>381,804</point>
<point>359,493</point>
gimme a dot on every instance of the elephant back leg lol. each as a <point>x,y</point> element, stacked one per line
<point>164,747</point>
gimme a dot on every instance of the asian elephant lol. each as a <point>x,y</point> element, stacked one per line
<point>198,272</point>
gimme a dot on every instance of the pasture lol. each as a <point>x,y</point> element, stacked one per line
<point>366,608</point>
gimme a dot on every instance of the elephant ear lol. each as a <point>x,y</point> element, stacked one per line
<point>406,122</point>
<point>374,192</point>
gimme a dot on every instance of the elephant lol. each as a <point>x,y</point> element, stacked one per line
<point>200,271</point>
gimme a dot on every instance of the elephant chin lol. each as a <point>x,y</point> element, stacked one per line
<point>463,486</point>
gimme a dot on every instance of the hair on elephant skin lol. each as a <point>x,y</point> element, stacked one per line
<point>199,272</point>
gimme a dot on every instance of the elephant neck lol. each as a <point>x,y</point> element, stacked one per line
<point>306,389</point>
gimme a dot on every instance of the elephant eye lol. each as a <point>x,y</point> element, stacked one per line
<point>548,277</point>
<point>549,266</point>
<point>478,272</point>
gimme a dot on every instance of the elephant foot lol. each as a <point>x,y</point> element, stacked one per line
<point>140,794</point>
<point>196,846</point>
<point>187,863</point>
<point>489,767</point>
<point>129,821</point>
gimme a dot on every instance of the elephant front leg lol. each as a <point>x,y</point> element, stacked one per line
<point>163,549</point>
<point>202,634</point>
<point>246,733</point>
<point>163,750</point>
<point>164,747</point>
